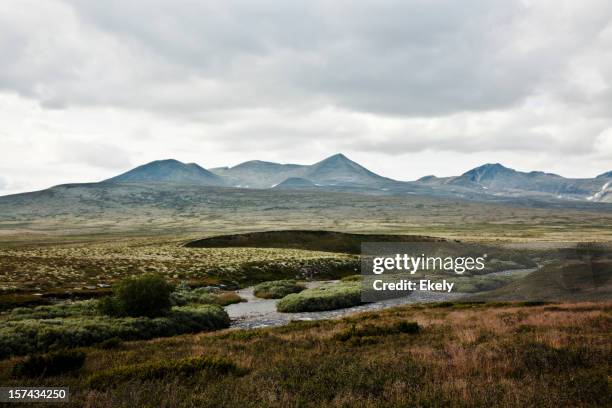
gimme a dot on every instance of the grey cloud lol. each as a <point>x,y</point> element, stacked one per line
<point>94,154</point>
<point>302,79</point>
<point>391,57</point>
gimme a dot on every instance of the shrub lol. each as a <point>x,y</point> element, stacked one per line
<point>442,304</point>
<point>277,289</point>
<point>228,298</point>
<point>109,306</point>
<point>161,369</point>
<point>147,295</point>
<point>372,330</point>
<point>243,335</point>
<point>328,297</point>
<point>590,386</point>
<point>539,357</point>
<point>352,278</point>
<point>109,344</point>
<point>407,327</point>
<point>184,295</point>
<point>29,336</point>
<point>50,364</point>
<point>66,309</point>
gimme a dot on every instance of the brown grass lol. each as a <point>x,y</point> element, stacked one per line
<point>485,355</point>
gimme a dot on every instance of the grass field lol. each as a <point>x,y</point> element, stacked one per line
<point>89,266</point>
<point>495,354</point>
<point>462,355</point>
<point>203,212</point>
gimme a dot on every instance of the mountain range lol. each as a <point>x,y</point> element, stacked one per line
<point>499,180</point>
<point>489,182</point>
<point>338,172</point>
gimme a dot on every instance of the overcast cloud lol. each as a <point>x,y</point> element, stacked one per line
<point>89,89</point>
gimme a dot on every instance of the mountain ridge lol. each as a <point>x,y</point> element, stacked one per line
<point>488,182</point>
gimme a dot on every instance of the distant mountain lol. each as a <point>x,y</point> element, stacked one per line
<point>169,171</point>
<point>294,183</point>
<point>604,195</point>
<point>494,178</point>
<point>485,174</point>
<point>491,182</point>
<point>340,170</point>
<point>337,170</point>
<point>257,173</point>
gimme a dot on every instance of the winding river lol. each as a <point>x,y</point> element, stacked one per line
<point>256,312</point>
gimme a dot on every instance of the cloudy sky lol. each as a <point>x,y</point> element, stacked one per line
<point>89,89</point>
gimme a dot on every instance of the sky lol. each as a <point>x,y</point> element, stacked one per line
<point>90,89</point>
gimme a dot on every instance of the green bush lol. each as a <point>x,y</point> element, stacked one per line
<point>50,364</point>
<point>21,337</point>
<point>161,369</point>
<point>352,278</point>
<point>147,295</point>
<point>184,295</point>
<point>228,298</point>
<point>277,289</point>
<point>66,309</point>
<point>327,297</point>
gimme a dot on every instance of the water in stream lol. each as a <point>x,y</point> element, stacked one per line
<point>258,312</point>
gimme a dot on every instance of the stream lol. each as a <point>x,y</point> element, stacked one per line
<point>256,312</point>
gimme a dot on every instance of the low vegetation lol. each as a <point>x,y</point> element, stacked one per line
<point>184,295</point>
<point>161,369</point>
<point>480,355</point>
<point>32,274</point>
<point>366,332</point>
<point>277,289</point>
<point>146,295</point>
<point>326,297</point>
<point>50,364</point>
<point>139,309</point>
<point>23,336</point>
<point>560,281</point>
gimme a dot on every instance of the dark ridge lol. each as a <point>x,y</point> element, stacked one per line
<point>326,241</point>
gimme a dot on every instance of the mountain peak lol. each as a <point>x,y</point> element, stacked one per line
<point>337,157</point>
<point>487,171</point>
<point>340,170</point>
<point>492,167</point>
<point>168,171</point>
